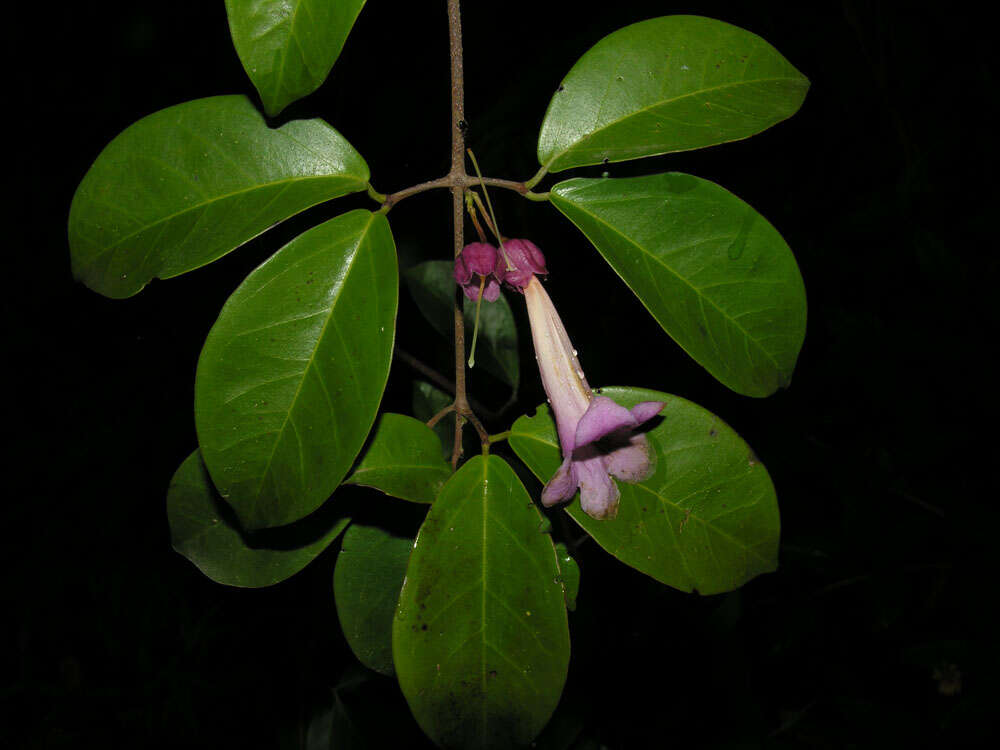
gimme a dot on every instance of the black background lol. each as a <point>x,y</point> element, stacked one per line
<point>876,629</point>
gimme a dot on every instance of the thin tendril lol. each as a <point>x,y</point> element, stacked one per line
<point>477,201</point>
<point>489,205</point>
<point>475,329</point>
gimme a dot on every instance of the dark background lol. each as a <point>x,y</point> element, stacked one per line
<point>876,630</point>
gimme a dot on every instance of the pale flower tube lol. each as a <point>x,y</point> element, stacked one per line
<point>596,434</point>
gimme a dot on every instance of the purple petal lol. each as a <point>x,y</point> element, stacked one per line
<point>562,485</point>
<point>480,257</point>
<point>633,461</point>
<point>492,291</point>
<point>525,261</point>
<point>462,272</point>
<point>646,410</point>
<point>598,492</point>
<point>602,417</point>
<point>471,290</point>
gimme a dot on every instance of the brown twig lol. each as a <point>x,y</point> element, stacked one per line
<point>459,179</point>
<point>452,180</point>
<point>446,385</point>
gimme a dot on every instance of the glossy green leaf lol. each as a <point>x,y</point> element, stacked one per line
<point>288,47</point>
<point>706,521</point>
<point>428,401</point>
<point>292,372</point>
<point>667,84</point>
<point>481,640</point>
<point>569,575</point>
<point>404,460</point>
<point>366,583</point>
<point>201,530</point>
<point>711,270</point>
<point>188,184</point>
<point>432,285</point>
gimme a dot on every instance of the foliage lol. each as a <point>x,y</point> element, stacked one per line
<point>471,615</point>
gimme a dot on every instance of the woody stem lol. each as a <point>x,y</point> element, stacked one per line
<point>458,181</point>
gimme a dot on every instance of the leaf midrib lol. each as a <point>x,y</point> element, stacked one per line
<point>661,103</point>
<point>312,358</point>
<point>665,501</point>
<point>695,290</point>
<point>217,199</point>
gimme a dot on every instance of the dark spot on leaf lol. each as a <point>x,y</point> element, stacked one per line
<point>493,673</point>
<point>604,160</point>
<point>620,78</point>
<point>713,432</point>
<point>424,626</point>
<point>561,88</point>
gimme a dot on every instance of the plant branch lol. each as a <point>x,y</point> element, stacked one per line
<point>452,180</point>
<point>446,385</point>
<point>458,179</point>
<point>431,374</point>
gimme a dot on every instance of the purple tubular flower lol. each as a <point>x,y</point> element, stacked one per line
<point>583,419</point>
<point>525,261</point>
<point>476,262</point>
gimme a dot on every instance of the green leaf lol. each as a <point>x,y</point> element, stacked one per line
<point>706,521</point>
<point>432,285</point>
<point>667,84</point>
<point>481,639</point>
<point>366,583</point>
<point>404,460</point>
<point>288,47</point>
<point>201,531</point>
<point>428,401</point>
<point>292,372</point>
<point>711,270</point>
<point>190,183</point>
<point>569,575</point>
